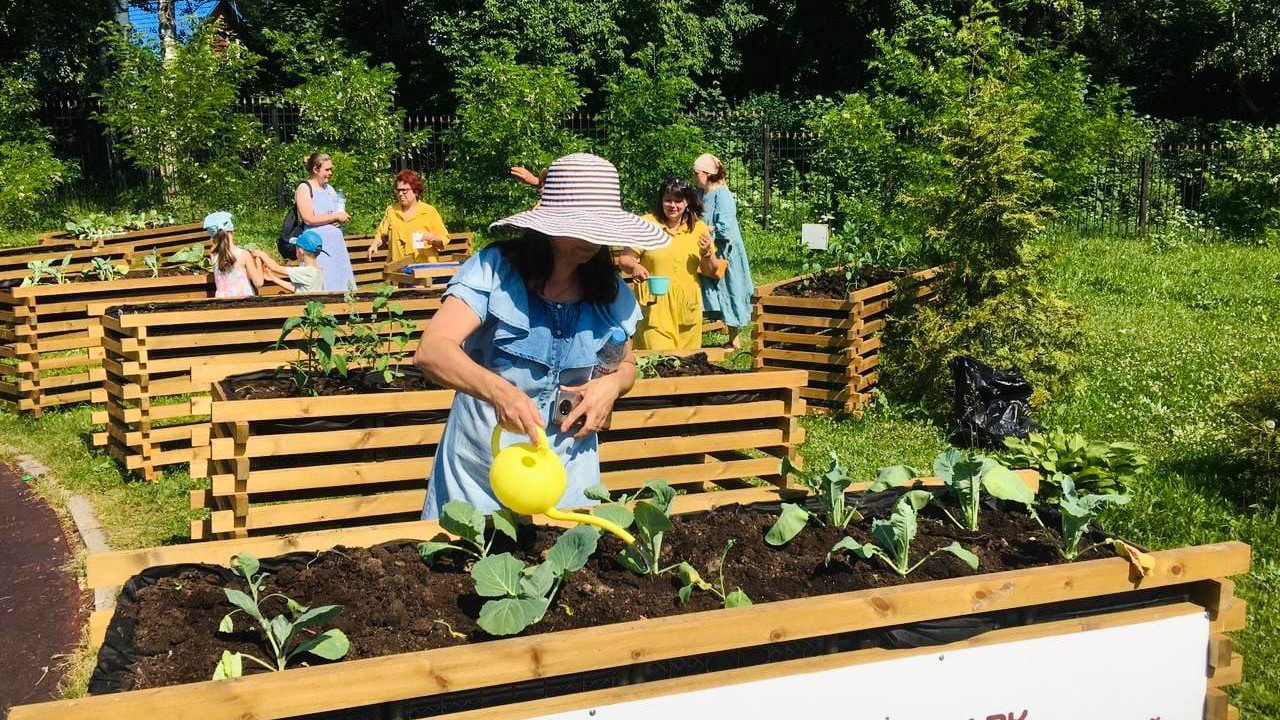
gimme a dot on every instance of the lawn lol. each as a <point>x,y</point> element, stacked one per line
<point>1171,332</point>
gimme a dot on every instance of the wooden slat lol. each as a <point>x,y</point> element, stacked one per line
<point>1229,674</point>
<point>842,323</point>
<point>704,472</point>
<point>677,416</point>
<point>1215,704</point>
<point>402,676</point>
<point>618,450</point>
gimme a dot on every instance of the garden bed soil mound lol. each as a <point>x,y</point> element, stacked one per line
<point>832,284</point>
<point>694,365</point>
<point>392,602</point>
<point>257,301</point>
<point>266,384</point>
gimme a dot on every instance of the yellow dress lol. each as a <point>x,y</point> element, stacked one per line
<point>397,232</point>
<point>672,321</point>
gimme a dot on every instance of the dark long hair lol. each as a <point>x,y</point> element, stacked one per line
<point>684,190</point>
<point>533,258</point>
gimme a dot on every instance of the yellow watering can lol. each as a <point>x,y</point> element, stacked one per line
<point>531,480</point>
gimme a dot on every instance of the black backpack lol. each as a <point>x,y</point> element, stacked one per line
<point>290,229</point>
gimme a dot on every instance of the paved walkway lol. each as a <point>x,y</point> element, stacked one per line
<point>40,603</point>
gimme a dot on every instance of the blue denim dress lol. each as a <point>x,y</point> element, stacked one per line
<point>728,298</point>
<point>538,346</point>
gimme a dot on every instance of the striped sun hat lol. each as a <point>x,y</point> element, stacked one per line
<point>580,199</point>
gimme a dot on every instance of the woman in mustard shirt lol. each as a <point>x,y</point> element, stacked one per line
<point>414,228</point>
<point>673,320</point>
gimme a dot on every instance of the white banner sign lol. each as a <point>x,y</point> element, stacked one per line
<point>1146,671</point>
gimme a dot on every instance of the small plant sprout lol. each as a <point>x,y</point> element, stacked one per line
<point>690,579</point>
<point>647,365</point>
<point>966,476</point>
<point>152,263</point>
<point>380,342</point>
<point>319,346</point>
<point>105,270</point>
<point>1078,512</point>
<point>53,269</point>
<point>191,257</point>
<point>828,488</point>
<point>522,594</point>
<point>893,538</point>
<point>287,636</point>
<point>651,518</point>
<point>460,518</point>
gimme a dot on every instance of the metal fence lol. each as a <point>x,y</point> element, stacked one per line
<point>771,169</point>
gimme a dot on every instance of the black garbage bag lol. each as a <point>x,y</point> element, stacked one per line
<point>990,404</point>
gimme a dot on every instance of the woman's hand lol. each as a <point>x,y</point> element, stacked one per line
<point>341,217</point>
<point>374,246</point>
<point>520,173</point>
<point>598,397</point>
<point>705,245</point>
<point>436,241</point>
<point>631,264</point>
<point>516,411</point>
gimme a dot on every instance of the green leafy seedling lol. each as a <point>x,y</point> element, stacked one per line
<point>828,487</point>
<point>1078,512</point>
<point>650,518</point>
<point>321,352</point>
<point>893,537</point>
<point>690,579</point>
<point>152,263</point>
<point>460,518</point>
<point>288,636</point>
<point>523,594</point>
<point>967,476</point>
<point>191,257</point>
<point>1096,468</point>
<point>105,270</point>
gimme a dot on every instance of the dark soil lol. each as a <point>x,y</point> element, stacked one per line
<point>690,366</point>
<point>280,384</point>
<point>393,603</point>
<point>832,284</point>
<point>256,301</point>
<point>41,608</point>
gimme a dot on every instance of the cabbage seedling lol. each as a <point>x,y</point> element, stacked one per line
<point>106,270</point>
<point>191,257</point>
<point>280,630</point>
<point>152,263</point>
<point>966,476</point>
<point>523,593</point>
<point>1078,512</point>
<point>893,538</point>
<point>651,519</point>
<point>460,518</point>
<point>690,579</point>
<point>829,488</point>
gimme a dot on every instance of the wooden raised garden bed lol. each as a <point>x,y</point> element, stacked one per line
<point>763,653</point>
<point>160,359</point>
<point>50,335</point>
<point>412,273</point>
<point>287,463</point>
<point>835,340</point>
<point>13,261</point>
<point>164,238</point>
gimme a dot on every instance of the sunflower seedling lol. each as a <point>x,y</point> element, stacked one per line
<point>828,487</point>
<point>690,579</point>
<point>280,631</point>
<point>459,517</point>
<point>523,594</point>
<point>893,538</point>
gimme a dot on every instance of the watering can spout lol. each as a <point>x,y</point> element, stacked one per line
<point>531,480</point>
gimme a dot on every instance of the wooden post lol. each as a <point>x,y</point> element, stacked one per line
<point>1144,192</point>
<point>767,179</point>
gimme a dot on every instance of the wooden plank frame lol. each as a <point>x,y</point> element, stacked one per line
<point>159,366</point>
<point>837,341</point>
<point>391,681</point>
<point>373,461</point>
<point>458,249</point>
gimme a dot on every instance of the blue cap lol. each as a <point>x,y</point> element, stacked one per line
<point>618,336</point>
<point>221,220</point>
<point>310,241</point>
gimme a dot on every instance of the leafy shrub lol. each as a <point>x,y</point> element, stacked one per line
<point>508,114</point>
<point>29,172</point>
<point>179,118</point>
<point>1097,468</point>
<point>1242,195</point>
<point>1253,430</point>
<point>648,135</point>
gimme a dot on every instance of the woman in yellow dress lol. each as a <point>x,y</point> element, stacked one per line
<point>410,227</point>
<point>672,320</point>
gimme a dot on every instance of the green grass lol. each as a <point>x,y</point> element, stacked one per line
<point>1170,334</point>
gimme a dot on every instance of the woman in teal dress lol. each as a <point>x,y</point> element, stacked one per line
<point>728,298</point>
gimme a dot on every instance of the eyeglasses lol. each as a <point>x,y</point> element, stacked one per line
<point>401,191</point>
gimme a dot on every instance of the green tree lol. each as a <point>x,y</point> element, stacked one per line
<point>180,119</point>
<point>508,114</point>
<point>29,172</point>
<point>648,134</point>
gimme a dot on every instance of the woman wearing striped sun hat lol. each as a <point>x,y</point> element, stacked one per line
<point>524,318</point>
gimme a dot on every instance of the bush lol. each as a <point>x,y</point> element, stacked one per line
<point>648,134</point>
<point>1253,429</point>
<point>1242,195</point>
<point>179,118</point>
<point>29,172</point>
<point>508,114</point>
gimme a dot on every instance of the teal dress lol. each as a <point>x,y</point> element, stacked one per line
<point>728,298</point>
<point>537,345</point>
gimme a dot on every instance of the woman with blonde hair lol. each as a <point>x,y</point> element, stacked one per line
<point>323,209</point>
<point>729,297</point>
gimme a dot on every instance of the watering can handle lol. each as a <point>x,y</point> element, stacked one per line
<point>497,437</point>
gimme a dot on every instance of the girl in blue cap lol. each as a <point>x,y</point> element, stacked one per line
<point>236,272</point>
